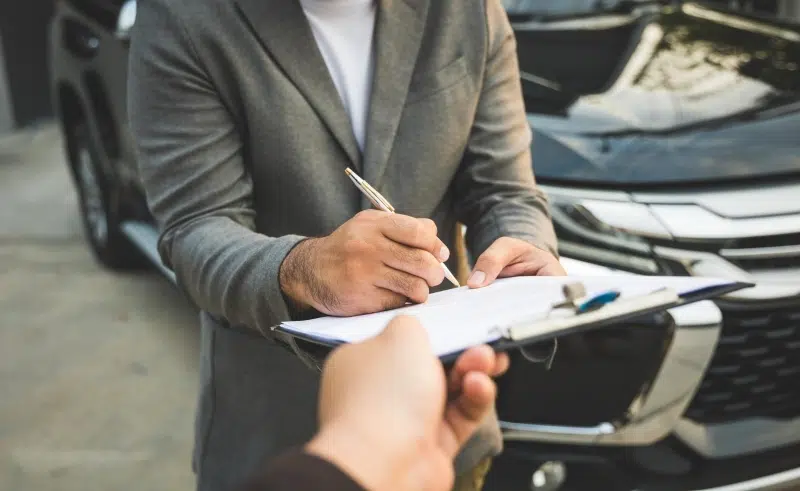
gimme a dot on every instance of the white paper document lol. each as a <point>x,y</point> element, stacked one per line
<point>459,318</point>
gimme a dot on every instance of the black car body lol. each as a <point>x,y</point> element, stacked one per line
<point>667,135</point>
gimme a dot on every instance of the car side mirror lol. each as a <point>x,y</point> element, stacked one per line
<point>125,21</point>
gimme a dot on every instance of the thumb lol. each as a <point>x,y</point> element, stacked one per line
<point>489,265</point>
<point>465,414</point>
<point>405,333</point>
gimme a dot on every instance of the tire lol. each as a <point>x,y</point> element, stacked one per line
<point>99,211</point>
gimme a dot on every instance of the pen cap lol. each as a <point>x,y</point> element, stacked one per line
<point>574,291</point>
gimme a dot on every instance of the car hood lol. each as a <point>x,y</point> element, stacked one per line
<point>676,95</point>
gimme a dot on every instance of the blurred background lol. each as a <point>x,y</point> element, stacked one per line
<point>23,37</point>
<point>666,134</point>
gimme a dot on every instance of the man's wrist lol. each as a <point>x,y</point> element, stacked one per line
<point>294,275</point>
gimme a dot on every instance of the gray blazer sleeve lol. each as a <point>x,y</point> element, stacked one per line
<point>495,190</point>
<point>190,159</point>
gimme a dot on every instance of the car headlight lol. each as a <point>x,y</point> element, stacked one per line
<point>608,228</point>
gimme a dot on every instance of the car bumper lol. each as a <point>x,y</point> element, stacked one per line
<point>780,481</point>
<point>610,470</point>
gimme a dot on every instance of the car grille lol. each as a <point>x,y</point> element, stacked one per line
<point>773,252</point>
<point>755,371</point>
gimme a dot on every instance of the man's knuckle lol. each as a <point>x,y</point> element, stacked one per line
<point>398,252</point>
<point>404,256</point>
<point>429,268</point>
<point>411,287</point>
<point>393,302</point>
<point>418,259</point>
<point>430,226</point>
<point>397,221</point>
<point>405,225</point>
<point>419,290</point>
<point>366,215</point>
<point>421,233</point>
<point>429,239</point>
<point>403,283</point>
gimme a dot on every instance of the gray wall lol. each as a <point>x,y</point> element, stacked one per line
<point>6,111</point>
<point>790,9</point>
<point>24,27</point>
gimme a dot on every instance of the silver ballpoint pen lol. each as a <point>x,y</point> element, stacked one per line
<point>379,202</point>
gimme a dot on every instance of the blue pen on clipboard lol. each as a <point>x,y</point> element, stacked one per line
<point>596,301</point>
<point>574,293</point>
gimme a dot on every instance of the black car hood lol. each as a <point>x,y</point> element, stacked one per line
<point>681,95</point>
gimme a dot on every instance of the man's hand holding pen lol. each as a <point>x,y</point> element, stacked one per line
<point>373,262</point>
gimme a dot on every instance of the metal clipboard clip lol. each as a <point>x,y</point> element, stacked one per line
<point>573,292</point>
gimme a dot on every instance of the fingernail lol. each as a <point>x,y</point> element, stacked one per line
<point>444,253</point>
<point>477,278</point>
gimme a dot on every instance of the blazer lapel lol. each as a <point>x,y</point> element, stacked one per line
<point>282,28</point>
<point>398,33</point>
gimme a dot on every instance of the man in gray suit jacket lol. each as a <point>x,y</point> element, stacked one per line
<point>245,121</point>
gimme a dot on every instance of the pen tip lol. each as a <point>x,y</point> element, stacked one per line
<point>452,279</point>
<point>348,171</point>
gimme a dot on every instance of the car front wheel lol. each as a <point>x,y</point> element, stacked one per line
<point>100,215</point>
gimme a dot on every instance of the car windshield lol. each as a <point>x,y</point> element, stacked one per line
<point>559,8</point>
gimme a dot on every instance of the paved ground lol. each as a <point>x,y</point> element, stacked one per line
<point>97,369</point>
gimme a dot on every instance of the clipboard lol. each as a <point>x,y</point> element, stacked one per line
<point>534,331</point>
<point>567,316</point>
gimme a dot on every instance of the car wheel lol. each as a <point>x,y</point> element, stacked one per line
<point>100,215</point>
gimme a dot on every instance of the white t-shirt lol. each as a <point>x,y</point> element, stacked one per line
<point>343,30</point>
